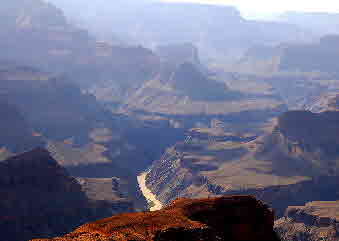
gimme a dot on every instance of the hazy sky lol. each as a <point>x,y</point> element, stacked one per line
<point>277,5</point>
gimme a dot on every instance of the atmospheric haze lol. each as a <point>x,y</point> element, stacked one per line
<point>274,6</point>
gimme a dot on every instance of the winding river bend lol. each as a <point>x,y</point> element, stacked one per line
<point>152,200</point>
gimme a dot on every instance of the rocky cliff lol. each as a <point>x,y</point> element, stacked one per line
<point>39,198</point>
<point>314,57</point>
<point>223,218</point>
<point>37,33</point>
<point>176,54</point>
<point>81,135</point>
<point>322,54</point>
<point>172,23</point>
<point>64,112</point>
<point>17,134</point>
<point>308,138</point>
<point>315,221</point>
<point>293,164</point>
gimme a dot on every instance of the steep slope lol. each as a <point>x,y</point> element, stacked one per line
<point>64,112</point>
<point>37,33</point>
<point>77,129</point>
<point>159,23</point>
<point>39,198</point>
<point>309,139</point>
<point>224,218</point>
<point>179,53</point>
<point>183,88</point>
<point>123,71</point>
<point>81,134</point>
<point>315,58</point>
<point>296,163</point>
<point>16,134</point>
<point>188,80</point>
<point>322,54</point>
<point>314,221</point>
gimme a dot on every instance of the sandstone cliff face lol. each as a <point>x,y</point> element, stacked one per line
<point>224,218</point>
<point>39,198</point>
<point>313,222</point>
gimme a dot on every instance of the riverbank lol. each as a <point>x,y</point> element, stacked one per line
<point>150,197</point>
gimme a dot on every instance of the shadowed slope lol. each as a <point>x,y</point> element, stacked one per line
<point>39,198</point>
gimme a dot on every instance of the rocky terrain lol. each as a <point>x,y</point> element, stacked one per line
<point>159,23</point>
<point>175,90</point>
<point>74,126</point>
<point>309,139</point>
<point>179,53</point>
<point>107,108</point>
<point>301,150</point>
<point>175,95</point>
<point>224,218</point>
<point>292,58</point>
<point>33,202</point>
<point>16,133</point>
<point>65,111</point>
<point>325,102</point>
<point>287,68</point>
<point>37,33</point>
<point>315,221</point>
<point>323,54</point>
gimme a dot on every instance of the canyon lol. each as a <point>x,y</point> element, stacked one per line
<point>130,117</point>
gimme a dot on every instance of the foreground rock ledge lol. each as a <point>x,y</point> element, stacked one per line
<point>224,218</point>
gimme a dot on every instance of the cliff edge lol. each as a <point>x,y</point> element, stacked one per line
<point>222,218</point>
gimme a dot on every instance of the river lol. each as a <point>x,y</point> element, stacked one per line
<point>150,197</point>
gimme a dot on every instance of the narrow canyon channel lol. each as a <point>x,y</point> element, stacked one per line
<point>152,200</point>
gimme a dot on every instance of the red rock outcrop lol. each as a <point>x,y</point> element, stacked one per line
<point>223,218</point>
